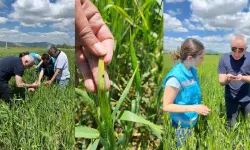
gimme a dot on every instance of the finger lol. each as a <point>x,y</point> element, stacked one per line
<point>100,29</point>
<point>205,113</point>
<point>83,31</point>
<point>109,45</point>
<point>207,109</point>
<point>93,64</point>
<point>85,70</point>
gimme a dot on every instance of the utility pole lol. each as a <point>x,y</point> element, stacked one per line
<point>6,46</point>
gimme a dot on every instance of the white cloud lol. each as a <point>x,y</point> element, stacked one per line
<point>195,37</point>
<point>215,43</point>
<point>196,26</point>
<point>213,8</point>
<point>212,15</point>
<point>16,27</point>
<point>238,21</point>
<point>220,15</point>
<point>3,20</point>
<point>180,29</point>
<point>173,24</point>
<point>174,12</point>
<point>209,28</point>
<point>213,39</point>
<point>55,37</point>
<point>32,25</point>
<point>194,18</point>
<point>171,44</point>
<point>174,1</point>
<point>65,25</point>
<point>30,13</point>
<point>221,47</point>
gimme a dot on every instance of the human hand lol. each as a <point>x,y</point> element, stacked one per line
<point>240,77</point>
<point>231,77</point>
<point>31,89</point>
<point>202,109</point>
<point>48,83</point>
<point>94,41</point>
<point>38,83</point>
<point>35,84</point>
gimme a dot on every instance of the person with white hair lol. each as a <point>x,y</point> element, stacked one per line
<point>234,74</point>
<point>61,67</point>
<point>14,66</point>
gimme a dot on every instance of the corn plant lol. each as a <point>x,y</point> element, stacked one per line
<point>137,27</point>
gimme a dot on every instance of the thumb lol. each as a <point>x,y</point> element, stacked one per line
<point>84,34</point>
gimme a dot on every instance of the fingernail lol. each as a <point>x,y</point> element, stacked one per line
<point>100,49</point>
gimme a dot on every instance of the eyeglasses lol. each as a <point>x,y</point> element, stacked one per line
<point>234,49</point>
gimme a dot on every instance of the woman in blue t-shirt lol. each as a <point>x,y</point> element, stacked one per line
<point>182,95</point>
<point>37,57</point>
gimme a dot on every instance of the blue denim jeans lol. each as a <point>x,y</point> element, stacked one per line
<point>63,83</point>
<point>182,134</point>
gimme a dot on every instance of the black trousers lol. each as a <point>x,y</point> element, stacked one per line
<point>233,109</point>
<point>5,92</point>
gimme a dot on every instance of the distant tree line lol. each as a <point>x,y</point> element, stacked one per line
<point>64,46</point>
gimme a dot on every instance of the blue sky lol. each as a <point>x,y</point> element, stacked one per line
<point>214,22</point>
<point>37,21</point>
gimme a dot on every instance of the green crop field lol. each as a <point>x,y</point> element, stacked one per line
<point>40,120</point>
<point>211,132</point>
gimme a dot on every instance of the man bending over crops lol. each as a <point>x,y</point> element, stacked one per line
<point>47,67</point>
<point>61,67</point>
<point>13,66</point>
<point>234,71</point>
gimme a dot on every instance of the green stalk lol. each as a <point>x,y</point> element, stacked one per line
<point>107,128</point>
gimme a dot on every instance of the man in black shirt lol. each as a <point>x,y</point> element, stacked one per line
<point>13,66</point>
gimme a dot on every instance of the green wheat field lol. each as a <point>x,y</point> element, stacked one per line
<point>40,120</point>
<point>211,132</point>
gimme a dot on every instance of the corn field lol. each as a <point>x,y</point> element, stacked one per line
<point>113,120</point>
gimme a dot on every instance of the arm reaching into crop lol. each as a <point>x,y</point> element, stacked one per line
<point>41,61</point>
<point>53,78</point>
<point>40,76</point>
<point>20,83</point>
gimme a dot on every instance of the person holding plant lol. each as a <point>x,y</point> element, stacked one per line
<point>234,74</point>
<point>182,95</point>
<point>93,41</point>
